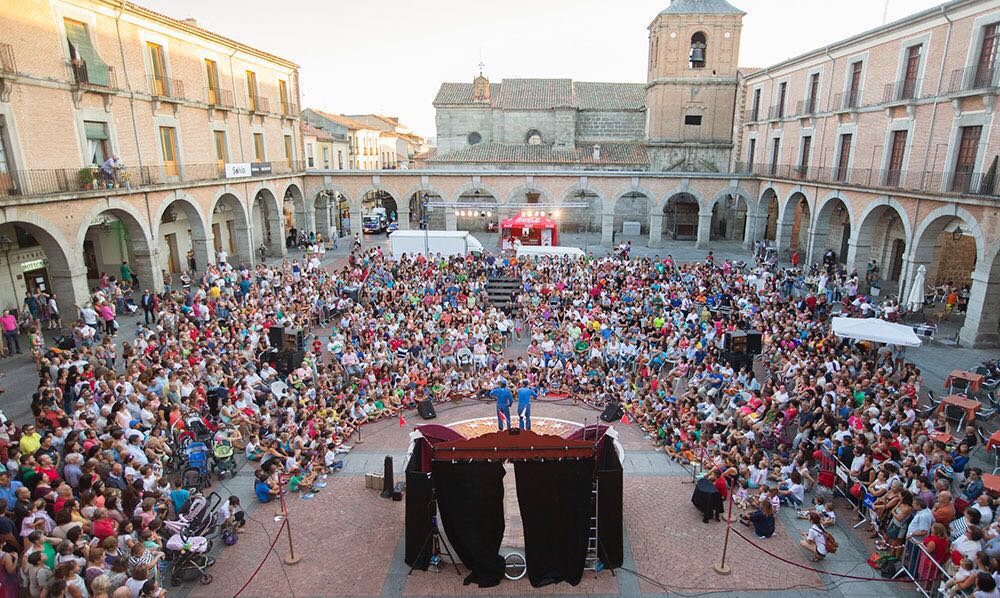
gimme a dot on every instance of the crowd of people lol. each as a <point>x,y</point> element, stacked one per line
<point>90,482</point>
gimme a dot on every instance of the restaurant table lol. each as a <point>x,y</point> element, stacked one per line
<point>991,483</point>
<point>971,406</point>
<point>993,441</point>
<point>943,437</point>
<point>975,380</point>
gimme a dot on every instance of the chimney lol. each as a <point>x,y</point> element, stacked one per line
<point>190,21</point>
<point>597,153</point>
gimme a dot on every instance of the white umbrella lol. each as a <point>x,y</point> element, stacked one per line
<point>916,298</point>
<point>873,329</point>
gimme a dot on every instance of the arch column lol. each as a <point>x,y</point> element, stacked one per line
<point>244,248</point>
<point>276,224</point>
<point>982,317</point>
<point>750,231</point>
<point>70,286</point>
<point>450,219</point>
<point>148,265</point>
<point>322,216</point>
<point>202,248</point>
<point>858,251</point>
<point>704,228</point>
<point>403,217</point>
<point>608,229</point>
<point>655,230</point>
<point>816,238</point>
<point>783,239</point>
<point>356,223</point>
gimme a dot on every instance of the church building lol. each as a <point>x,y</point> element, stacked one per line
<point>680,119</point>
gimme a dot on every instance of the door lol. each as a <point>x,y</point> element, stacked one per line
<point>90,260</point>
<point>212,75</point>
<point>252,91</point>
<point>231,232</point>
<point>782,91</point>
<point>756,105</point>
<point>168,143</point>
<point>965,164</point>
<point>216,236</point>
<point>750,155</point>
<point>804,160</point>
<point>896,158</point>
<point>173,259</point>
<point>158,68</point>
<point>775,153</point>
<point>896,267</point>
<point>283,95</point>
<point>986,65</point>
<point>844,159</point>
<point>855,87</point>
<point>813,93</point>
<point>37,279</point>
<point>909,88</point>
<point>221,155</point>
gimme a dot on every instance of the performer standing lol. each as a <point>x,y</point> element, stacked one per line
<point>524,396</point>
<point>504,399</point>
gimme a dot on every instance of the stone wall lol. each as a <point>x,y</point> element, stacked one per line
<point>592,126</point>
<point>689,158</point>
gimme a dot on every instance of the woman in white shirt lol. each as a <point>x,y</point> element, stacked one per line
<point>815,539</point>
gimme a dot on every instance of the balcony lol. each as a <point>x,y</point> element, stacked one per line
<point>82,180</point>
<point>776,112</point>
<point>847,101</point>
<point>901,91</point>
<point>974,80</point>
<point>96,79</point>
<point>806,108</point>
<point>166,89</point>
<point>751,116</point>
<point>258,104</point>
<point>219,98</point>
<point>289,109</point>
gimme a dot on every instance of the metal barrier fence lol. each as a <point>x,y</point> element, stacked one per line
<point>919,565</point>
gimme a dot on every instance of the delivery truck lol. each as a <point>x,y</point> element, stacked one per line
<point>444,242</point>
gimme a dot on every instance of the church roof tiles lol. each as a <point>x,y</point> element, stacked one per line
<point>546,94</point>
<point>612,154</point>
<point>701,7</point>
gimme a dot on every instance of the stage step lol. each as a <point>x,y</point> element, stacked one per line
<point>501,290</point>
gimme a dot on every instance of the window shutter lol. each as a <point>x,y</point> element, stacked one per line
<point>95,130</point>
<point>97,70</point>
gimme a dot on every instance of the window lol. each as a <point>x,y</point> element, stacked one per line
<point>252,91</point>
<point>168,144</point>
<point>221,152</point>
<point>813,93</point>
<point>283,95</point>
<point>844,158</point>
<point>310,161</point>
<point>258,147</point>
<point>533,137</point>
<point>474,138</point>
<point>98,141</point>
<point>87,65</point>
<point>987,62</point>
<point>909,88</point>
<point>698,46</point>
<point>854,86</point>
<point>775,154</point>
<point>782,92</point>
<point>751,152</point>
<point>755,116</point>
<point>212,73</point>
<point>158,70</point>
<point>804,158</point>
<point>288,149</point>
<point>896,158</point>
<point>326,158</point>
<point>692,119</point>
<point>965,162</point>
<point>7,183</point>
<point>340,160</point>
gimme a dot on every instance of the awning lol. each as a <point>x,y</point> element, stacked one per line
<point>79,39</point>
<point>95,130</point>
<point>875,330</point>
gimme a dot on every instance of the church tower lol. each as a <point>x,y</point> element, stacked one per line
<point>691,85</point>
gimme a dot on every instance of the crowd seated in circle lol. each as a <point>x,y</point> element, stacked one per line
<point>129,425</point>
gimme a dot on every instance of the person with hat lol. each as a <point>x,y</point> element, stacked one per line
<point>504,399</point>
<point>524,396</point>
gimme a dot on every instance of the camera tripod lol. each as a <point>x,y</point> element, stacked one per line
<point>437,545</point>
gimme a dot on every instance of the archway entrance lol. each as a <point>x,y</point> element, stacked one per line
<point>230,229</point>
<point>376,200</point>
<point>587,218</point>
<point>477,212</point>
<point>793,227</point>
<point>729,218</point>
<point>632,218</point>
<point>680,217</point>
<point>34,260</point>
<point>427,211</point>
<point>182,238</point>
<point>266,219</point>
<point>112,238</point>
<point>947,247</point>
<point>767,218</point>
<point>832,231</point>
<point>295,217</point>
<point>879,248</point>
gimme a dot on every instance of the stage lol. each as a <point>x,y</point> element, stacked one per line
<point>351,540</point>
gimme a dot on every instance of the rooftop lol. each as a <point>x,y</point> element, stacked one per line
<point>701,7</point>
<point>612,154</point>
<point>546,94</point>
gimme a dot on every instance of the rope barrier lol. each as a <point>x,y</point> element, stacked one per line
<point>277,536</point>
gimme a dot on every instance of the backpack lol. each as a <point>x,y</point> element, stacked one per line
<point>229,537</point>
<point>831,542</point>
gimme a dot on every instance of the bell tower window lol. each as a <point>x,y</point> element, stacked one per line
<point>698,45</point>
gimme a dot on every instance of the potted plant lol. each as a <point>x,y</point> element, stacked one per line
<point>87,178</point>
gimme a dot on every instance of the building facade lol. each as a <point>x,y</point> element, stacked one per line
<point>364,147</point>
<point>680,119</point>
<point>398,140</point>
<point>205,130</point>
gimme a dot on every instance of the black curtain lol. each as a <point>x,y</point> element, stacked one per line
<point>610,540</point>
<point>555,499</point>
<point>470,499</point>
<point>419,512</point>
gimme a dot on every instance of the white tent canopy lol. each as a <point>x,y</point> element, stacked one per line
<point>879,331</point>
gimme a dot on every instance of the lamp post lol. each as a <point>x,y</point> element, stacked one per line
<point>5,246</point>
<point>425,221</point>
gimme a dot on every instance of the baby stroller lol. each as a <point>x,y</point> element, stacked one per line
<point>188,546</point>
<point>196,472</point>
<point>222,457</point>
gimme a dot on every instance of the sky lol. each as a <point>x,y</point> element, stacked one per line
<point>390,56</point>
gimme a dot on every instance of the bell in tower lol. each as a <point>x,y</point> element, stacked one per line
<point>698,46</point>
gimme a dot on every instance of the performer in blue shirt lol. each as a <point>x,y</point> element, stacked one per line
<point>504,399</point>
<point>524,396</point>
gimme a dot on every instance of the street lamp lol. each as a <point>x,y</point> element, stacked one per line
<point>425,223</point>
<point>5,246</point>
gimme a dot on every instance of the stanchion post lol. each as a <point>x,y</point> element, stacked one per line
<point>722,568</point>
<point>359,440</point>
<point>290,558</point>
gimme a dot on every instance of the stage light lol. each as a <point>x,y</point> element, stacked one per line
<point>556,213</point>
<point>489,214</point>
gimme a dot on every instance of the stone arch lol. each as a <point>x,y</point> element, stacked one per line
<point>946,257</point>
<point>296,211</point>
<point>472,188</point>
<point>265,217</point>
<point>982,319</point>
<point>134,243</point>
<point>832,227</point>
<point>794,219</point>
<point>584,219</point>
<point>768,194</point>
<point>730,220</point>
<point>887,217</point>
<point>389,201</point>
<point>522,191</point>
<point>609,208</point>
<point>679,214</point>
<point>174,249</point>
<point>764,217</point>
<point>412,211</point>
<point>65,273</point>
<point>235,238</point>
<point>632,205</point>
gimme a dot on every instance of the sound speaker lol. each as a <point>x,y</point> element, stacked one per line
<point>351,293</point>
<point>425,409</point>
<point>397,491</point>
<point>737,360</point>
<point>735,341</point>
<point>276,334</point>
<point>612,412</point>
<point>753,342</point>
<point>295,340</point>
<point>288,361</point>
<point>387,483</point>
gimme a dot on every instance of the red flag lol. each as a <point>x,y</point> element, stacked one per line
<point>402,422</point>
<point>625,419</point>
<point>503,418</point>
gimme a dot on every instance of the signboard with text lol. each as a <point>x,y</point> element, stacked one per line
<point>238,170</point>
<point>259,168</point>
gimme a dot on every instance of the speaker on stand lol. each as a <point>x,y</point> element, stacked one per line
<point>612,412</point>
<point>425,409</point>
